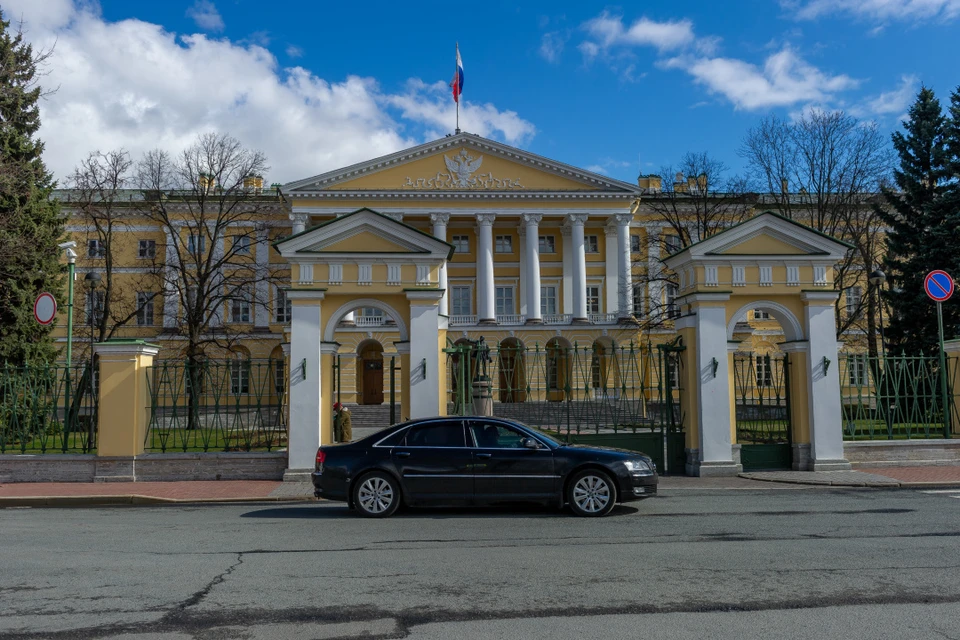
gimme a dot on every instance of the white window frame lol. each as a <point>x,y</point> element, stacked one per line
<point>241,307</point>
<point>145,308</point>
<point>760,314</point>
<point>96,249</point>
<point>282,306</point>
<point>857,370</point>
<point>513,299</point>
<point>591,244</point>
<point>503,244</point>
<point>241,244</point>
<point>146,249</point>
<point>239,376</point>
<point>597,299</point>
<point>453,299</point>
<point>458,240</point>
<point>853,298</point>
<point>547,243</point>
<point>670,293</point>
<point>671,243</point>
<point>636,244</point>
<point>192,242</point>
<point>763,371</point>
<point>545,298</point>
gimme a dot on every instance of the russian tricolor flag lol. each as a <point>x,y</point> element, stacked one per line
<point>457,83</point>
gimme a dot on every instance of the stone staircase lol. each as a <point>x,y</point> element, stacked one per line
<point>368,418</point>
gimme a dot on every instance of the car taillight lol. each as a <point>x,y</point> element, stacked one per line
<point>321,456</point>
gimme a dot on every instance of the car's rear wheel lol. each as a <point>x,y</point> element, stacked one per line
<point>376,495</point>
<point>591,493</point>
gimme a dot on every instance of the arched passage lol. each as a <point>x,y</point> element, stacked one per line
<point>370,372</point>
<point>792,327</point>
<point>372,303</point>
<point>511,364</point>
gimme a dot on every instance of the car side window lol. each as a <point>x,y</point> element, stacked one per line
<point>493,435</point>
<point>393,439</point>
<point>436,434</point>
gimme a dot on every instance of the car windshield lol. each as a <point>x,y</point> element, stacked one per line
<point>543,435</point>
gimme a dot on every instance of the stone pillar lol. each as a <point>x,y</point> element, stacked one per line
<point>579,275</point>
<point>624,266</point>
<point>328,355</point>
<point>299,221</point>
<point>261,311</point>
<point>566,233</point>
<point>522,232</point>
<point>531,224</point>
<point>611,270</point>
<point>440,221</point>
<point>426,360</point>
<point>823,376</point>
<point>712,384</point>
<point>171,298</point>
<point>306,401</point>
<point>486,294</point>
<point>123,413</point>
<point>952,352</point>
<point>403,353</point>
<point>798,356</point>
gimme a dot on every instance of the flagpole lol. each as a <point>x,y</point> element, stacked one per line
<point>456,76</point>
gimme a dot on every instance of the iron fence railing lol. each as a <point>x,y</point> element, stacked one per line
<point>48,408</point>
<point>223,405</point>
<point>569,389</point>
<point>895,398</point>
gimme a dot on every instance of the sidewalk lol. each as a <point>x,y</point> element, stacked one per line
<point>65,494</point>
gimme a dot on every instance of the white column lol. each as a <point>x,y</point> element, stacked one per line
<point>566,232</point>
<point>823,378</point>
<point>350,318</point>
<point>304,398</point>
<point>624,265</point>
<point>577,220</point>
<point>425,358</point>
<point>611,269</point>
<point>171,300</point>
<point>713,387</point>
<point>486,294</point>
<point>654,267</point>
<point>440,221</point>
<point>531,223</point>
<point>300,221</point>
<point>261,310</point>
<point>522,232</point>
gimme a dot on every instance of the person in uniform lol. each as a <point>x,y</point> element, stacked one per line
<point>342,424</point>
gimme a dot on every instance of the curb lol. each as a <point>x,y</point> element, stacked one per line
<point>134,499</point>
<point>892,484</point>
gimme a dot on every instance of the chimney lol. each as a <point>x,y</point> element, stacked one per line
<point>253,184</point>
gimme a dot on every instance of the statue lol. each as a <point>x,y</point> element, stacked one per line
<point>483,358</point>
<point>461,167</point>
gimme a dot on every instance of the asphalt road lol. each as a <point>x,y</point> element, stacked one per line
<point>766,563</point>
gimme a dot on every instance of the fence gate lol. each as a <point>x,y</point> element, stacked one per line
<point>761,384</point>
<point>602,394</point>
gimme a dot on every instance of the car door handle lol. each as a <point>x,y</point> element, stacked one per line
<point>484,455</point>
<point>403,454</point>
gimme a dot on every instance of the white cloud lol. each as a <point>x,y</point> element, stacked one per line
<point>134,85</point>
<point>887,103</point>
<point>205,14</point>
<point>294,51</point>
<point>785,79</point>
<point>551,45</point>
<point>876,10</point>
<point>608,32</point>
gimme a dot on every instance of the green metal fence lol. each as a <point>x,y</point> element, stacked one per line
<point>894,398</point>
<point>761,385</point>
<point>623,395</point>
<point>224,405</point>
<point>48,409</point>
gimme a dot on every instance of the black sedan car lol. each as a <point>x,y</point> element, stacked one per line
<point>457,461</point>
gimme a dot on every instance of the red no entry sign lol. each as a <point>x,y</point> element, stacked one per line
<point>938,285</point>
<point>45,308</point>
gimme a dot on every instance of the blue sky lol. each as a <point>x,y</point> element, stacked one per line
<point>622,89</point>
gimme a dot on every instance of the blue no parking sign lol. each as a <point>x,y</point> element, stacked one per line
<point>938,285</point>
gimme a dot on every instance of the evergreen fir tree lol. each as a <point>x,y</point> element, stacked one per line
<point>30,222</point>
<point>923,232</point>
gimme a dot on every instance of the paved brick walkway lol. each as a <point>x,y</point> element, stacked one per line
<point>920,475</point>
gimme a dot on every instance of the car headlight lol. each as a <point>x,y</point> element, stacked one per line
<point>638,466</point>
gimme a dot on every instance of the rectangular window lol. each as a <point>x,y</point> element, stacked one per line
<point>94,307</point>
<point>548,300</point>
<point>593,299</point>
<point>147,249</point>
<point>760,314</point>
<point>548,244</point>
<point>857,370</point>
<point>461,301</point>
<point>241,244</point>
<point>279,376</point>
<point>591,244</point>
<point>196,243</point>
<point>282,309</point>
<point>854,300</point>
<point>95,249</point>
<point>504,244</point>
<point>635,246</point>
<point>763,371</point>
<point>240,306</point>
<point>461,244</point>
<point>145,308</point>
<point>504,296</point>
<point>239,376</point>
<point>673,309</point>
<point>638,293</point>
<point>671,243</point>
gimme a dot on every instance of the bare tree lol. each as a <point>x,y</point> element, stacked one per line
<point>825,170</point>
<point>102,201</point>
<point>691,202</point>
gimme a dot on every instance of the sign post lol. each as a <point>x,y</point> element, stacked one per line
<point>939,286</point>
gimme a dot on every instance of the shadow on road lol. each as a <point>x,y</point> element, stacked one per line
<point>328,512</point>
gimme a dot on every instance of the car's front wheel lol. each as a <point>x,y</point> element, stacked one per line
<point>591,493</point>
<point>376,495</point>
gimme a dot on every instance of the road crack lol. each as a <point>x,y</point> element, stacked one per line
<point>198,596</point>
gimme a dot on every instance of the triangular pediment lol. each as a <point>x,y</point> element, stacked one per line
<point>461,163</point>
<point>363,232</point>
<point>766,235</point>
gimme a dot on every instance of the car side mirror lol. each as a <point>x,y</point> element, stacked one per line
<point>529,443</point>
